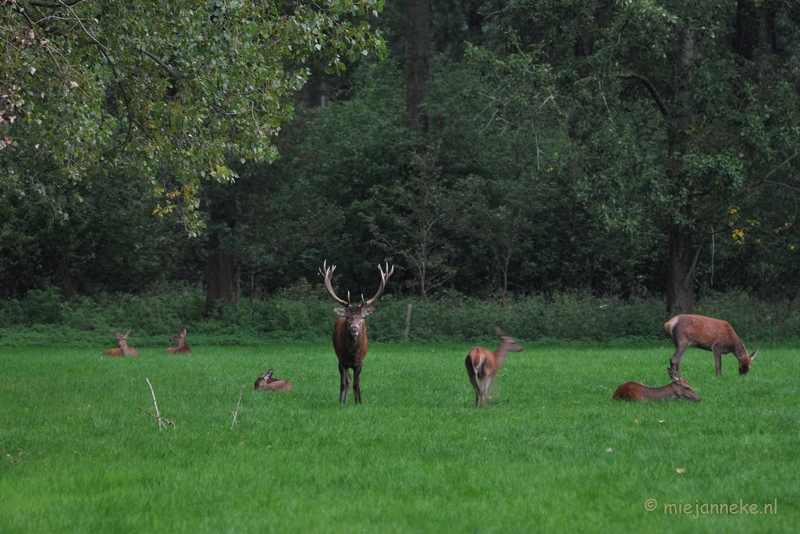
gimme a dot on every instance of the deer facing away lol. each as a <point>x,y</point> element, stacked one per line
<point>122,346</point>
<point>706,333</point>
<point>679,388</point>
<point>180,339</point>
<point>266,382</point>
<point>483,364</point>
<point>350,332</point>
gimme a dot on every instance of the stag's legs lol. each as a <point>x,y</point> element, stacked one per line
<point>473,380</point>
<point>485,384</point>
<point>675,361</point>
<point>357,384</point>
<point>718,360</point>
<point>344,386</point>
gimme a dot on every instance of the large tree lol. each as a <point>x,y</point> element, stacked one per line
<point>679,111</point>
<point>172,90</point>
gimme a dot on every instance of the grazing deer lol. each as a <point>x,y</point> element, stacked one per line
<point>122,343</point>
<point>266,381</point>
<point>180,339</point>
<point>706,333</point>
<point>350,332</point>
<point>484,364</point>
<point>679,388</point>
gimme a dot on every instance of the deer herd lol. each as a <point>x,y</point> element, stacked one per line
<point>350,346</point>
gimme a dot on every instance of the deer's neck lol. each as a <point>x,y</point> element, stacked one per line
<point>664,392</point>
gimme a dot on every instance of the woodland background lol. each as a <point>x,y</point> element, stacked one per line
<point>578,169</point>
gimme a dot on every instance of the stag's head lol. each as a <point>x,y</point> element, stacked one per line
<point>179,336</point>
<point>684,390</point>
<point>354,314</point>
<point>122,338</point>
<point>263,380</point>
<point>510,344</point>
<point>744,362</point>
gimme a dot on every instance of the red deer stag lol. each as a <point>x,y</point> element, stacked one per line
<point>266,381</point>
<point>180,339</point>
<point>350,332</point>
<point>484,364</point>
<point>122,343</point>
<point>679,388</point>
<point>706,333</point>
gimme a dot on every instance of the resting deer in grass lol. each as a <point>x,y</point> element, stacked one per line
<point>122,344</point>
<point>350,332</point>
<point>706,333</point>
<point>483,364</point>
<point>180,339</point>
<point>268,383</point>
<point>679,388</point>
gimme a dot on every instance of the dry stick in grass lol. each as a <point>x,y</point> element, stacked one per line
<point>161,421</point>
<point>236,412</point>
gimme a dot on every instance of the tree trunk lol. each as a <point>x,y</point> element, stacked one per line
<point>417,63</point>
<point>680,270</point>
<point>220,272</point>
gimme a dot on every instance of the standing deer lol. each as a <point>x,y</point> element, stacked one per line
<point>679,388</point>
<point>266,381</point>
<point>350,332</point>
<point>180,339</point>
<point>484,364</point>
<point>706,333</point>
<point>122,343</point>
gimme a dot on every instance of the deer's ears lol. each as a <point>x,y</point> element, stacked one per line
<point>339,311</point>
<point>370,310</point>
<point>674,375</point>
<point>752,356</point>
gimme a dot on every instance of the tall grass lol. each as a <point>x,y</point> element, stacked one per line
<point>551,452</point>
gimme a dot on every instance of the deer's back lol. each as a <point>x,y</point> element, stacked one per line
<point>483,361</point>
<point>703,332</point>
<point>629,391</point>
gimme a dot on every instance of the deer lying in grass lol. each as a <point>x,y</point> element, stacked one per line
<point>483,364</point>
<point>679,388</point>
<point>122,344</point>
<point>268,383</point>
<point>706,333</point>
<point>180,339</point>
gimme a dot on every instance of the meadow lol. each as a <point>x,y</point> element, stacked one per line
<point>551,452</point>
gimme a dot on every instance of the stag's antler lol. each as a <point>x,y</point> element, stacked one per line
<point>384,277</point>
<point>327,274</point>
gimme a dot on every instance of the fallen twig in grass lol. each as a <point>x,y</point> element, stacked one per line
<point>236,412</point>
<point>165,421</point>
<point>161,421</point>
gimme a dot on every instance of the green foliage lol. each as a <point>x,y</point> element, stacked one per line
<point>161,85</point>
<point>551,452</point>
<point>304,315</point>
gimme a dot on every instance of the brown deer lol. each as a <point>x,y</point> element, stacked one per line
<point>268,383</point>
<point>350,332</point>
<point>484,364</point>
<point>679,388</point>
<point>122,344</point>
<point>180,339</point>
<point>706,333</point>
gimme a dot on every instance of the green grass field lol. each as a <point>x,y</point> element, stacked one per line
<point>551,453</point>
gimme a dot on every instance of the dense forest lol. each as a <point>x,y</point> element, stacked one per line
<point>490,149</point>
